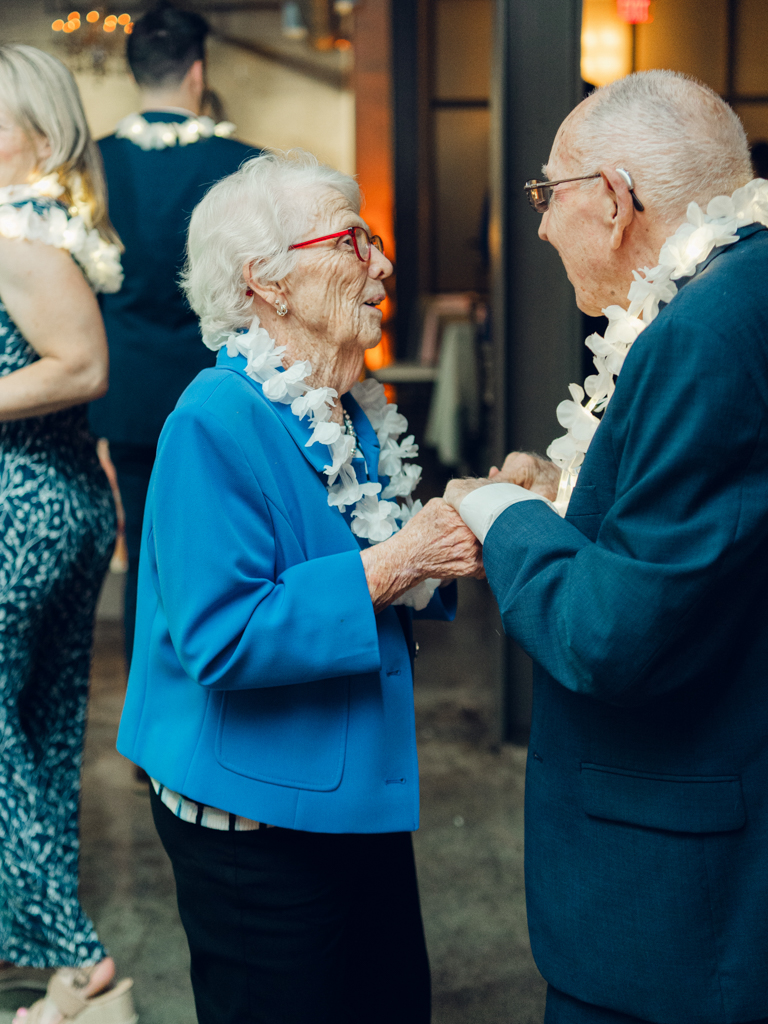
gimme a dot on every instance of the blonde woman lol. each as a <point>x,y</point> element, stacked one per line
<point>57,525</point>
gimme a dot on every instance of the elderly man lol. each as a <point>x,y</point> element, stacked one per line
<point>645,609</point>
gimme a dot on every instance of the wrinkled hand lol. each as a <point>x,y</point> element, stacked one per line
<point>530,471</point>
<point>457,490</point>
<point>435,544</point>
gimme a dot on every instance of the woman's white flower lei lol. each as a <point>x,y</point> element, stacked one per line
<point>374,517</point>
<point>162,134</point>
<point>680,255</point>
<point>99,259</point>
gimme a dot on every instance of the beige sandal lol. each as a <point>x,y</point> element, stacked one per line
<point>115,1006</point>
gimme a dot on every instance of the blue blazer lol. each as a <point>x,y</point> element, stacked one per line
<point>155,349</point>
<point>262,683</point>
<point>646,612</point>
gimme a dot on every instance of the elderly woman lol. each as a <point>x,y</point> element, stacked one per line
<point>270,697</point>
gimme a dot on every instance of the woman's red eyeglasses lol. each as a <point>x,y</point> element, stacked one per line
<point>361,240</point>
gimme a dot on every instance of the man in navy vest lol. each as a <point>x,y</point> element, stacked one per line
<point>645,608</point>
<point>158,165</point>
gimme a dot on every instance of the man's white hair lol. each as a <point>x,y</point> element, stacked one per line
<point>252,217</point>
<point>678,139</point>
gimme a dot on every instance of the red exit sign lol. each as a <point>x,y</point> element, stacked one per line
<point>635,12</point>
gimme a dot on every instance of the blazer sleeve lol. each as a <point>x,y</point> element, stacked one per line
<point>676,552</point>
<point>234,622</point>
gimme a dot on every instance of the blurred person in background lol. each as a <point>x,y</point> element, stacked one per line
<point>158,165</point>
<point>271,692</point>
<point>57,528</point>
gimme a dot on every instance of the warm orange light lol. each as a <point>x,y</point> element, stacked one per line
<point>74,16</point>
<point>123,19</point>
<point>606,43</point>
<point>92,16</point>
<point>128,28</point>
<point>110,27</point>
<point>343,44</point>
<point>58,25</point>
<point>69,27</point>
<point>110,20</point>
<point>75,23</point>
<point>634,12</point>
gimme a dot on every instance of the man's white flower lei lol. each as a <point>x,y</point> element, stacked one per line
<point>99,259</point>
<point>162,134</point>
<point>374,517</point>
<point>680,255</point>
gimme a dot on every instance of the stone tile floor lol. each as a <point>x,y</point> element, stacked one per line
<point>469,848</point>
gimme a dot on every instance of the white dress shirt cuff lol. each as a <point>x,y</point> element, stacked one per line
<point>483,506</point>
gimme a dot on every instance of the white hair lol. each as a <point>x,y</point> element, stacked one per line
<point>42,97</point>
<point>678,139</point>
<point>252,217</point>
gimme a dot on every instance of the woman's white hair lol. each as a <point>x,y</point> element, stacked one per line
<point>252,217</point>
<point>678,139</point>
<point>42,97</point>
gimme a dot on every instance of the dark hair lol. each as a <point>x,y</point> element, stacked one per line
<point>164,45</point>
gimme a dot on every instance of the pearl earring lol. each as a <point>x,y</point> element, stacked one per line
<point>281,307</point>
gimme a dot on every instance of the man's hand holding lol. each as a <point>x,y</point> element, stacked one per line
<point>529,471</point>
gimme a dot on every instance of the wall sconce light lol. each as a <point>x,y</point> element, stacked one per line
<point>634,12</point>
<point>606,43</point>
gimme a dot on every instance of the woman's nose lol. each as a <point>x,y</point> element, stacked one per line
<point>543,227</point>
<point>378,265</point>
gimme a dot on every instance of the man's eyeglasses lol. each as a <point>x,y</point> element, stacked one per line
<point>539,193</point>
<point>361,240</point>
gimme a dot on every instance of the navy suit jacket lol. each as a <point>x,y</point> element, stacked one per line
<point>646,613</point>
<point>155,348</point>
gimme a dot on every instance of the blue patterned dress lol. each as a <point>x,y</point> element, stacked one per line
<point>57,528</point>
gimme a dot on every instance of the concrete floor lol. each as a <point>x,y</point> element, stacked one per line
<point>469,848</point>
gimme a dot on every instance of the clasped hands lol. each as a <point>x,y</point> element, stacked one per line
<point>436,544</point>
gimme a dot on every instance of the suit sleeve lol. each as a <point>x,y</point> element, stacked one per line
<point>234,622</point>
<point>630,615</point>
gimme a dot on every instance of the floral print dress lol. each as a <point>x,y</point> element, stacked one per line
<point>57,528</point>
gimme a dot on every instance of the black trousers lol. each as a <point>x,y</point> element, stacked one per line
<point>133,464</point>
<point>288,927</point>
<point>563,1009</point>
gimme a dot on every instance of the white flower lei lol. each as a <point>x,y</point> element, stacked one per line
<point>680,255</point>
<point>374,516</point>
<point>99,259</point>
<point>162,134</point>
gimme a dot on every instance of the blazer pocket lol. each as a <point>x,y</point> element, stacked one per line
<point>585,501</point>
<point>674,803</point>
<point>292,736</point>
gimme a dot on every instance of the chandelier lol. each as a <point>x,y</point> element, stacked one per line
<point>91,40</point>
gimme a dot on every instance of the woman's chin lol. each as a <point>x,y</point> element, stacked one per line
<point>372,340</point>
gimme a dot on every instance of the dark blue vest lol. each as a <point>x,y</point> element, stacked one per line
<point>155,348</point>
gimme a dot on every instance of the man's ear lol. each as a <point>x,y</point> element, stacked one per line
<point>196,76</point>
<point>270,292</point>
<point>623,208</point>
